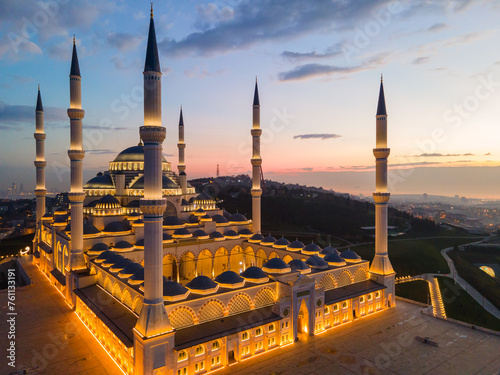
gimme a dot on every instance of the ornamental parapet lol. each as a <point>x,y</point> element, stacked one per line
<point>40,136</point>
<point>381,153</point>
<point>381,197</point>
<point>75,113</point>
<point>256,162</point>
<point>256,132</point>
<point>153,207</point>
<point>181,146</point>
<point>76,196</point>
<point>256,192</point>
<point>153,134</point>
<point>40,163</point>
<point>40,192</point>
<point>76,154</point>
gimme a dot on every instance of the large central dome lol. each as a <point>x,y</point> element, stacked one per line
<point>133,154</point>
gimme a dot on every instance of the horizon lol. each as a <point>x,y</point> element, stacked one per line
<point>318,70</point>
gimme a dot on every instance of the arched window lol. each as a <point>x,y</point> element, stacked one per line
<point>245,336</point>
<point>200,349</point>
<point>182,356</point>
<point>258,332</point>
<point>271,327</point>
<point>216,345</point>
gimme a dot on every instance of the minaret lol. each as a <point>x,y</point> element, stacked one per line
<point>182,165</point>
<point>76,155</point>
<point>256,162</point>
<point>40,162</point>
<point>153,319</point>
<point>381,269</point>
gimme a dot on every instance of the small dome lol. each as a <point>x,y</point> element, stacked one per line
<point>199,212</point>
<point>219,219</point>
<point>173,291</point>
<point>238,218</point>
<point>172,221</point>
<point>226,214</point>
<point>200,234</point>
<point>299,266</point>
<point>137,278</point>
<point>109,261</point>
<point>121,264</point>
<point>217,236</point>
<point>230,279</point>
<point>108,201</point>
<point>202,285</point>
<point>138,223</point>
<point>182,173</point>
<point>317,262</point>
<point>115,227</point>
<point>334,259</point>
<point>123,246</point>
<point>295,246</point>
<point>193,219</point>
<point>91,204</point>
<point>182,233</point>
<point>102,181</point>
<point>140,243</point>
<point>328,250</point>
<point>268,241</point>
<point>98,248</point>
<point>350,256</point>
<point>281,243</point>
<point>130,270</point>
<point>245,232</point>
<point>311,249</point>
<point>231,234</point>
<point>255,275</point>
<point>205,218</point>
<point>167,238</point>
<point>276,265</point>
<point>167,183</point>
<point>203,198</point>
<point>134,204</point>
<point>256,238</point>
<point>103,256</point>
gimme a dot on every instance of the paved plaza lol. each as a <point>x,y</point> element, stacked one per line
<point>51,340</point>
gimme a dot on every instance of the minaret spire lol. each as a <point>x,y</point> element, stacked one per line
<point>75,67</point>
<point>256,162</point>
<point>381,269</point>
<point>40,164</point>
<point>182,164</point>
<point>152,63</point>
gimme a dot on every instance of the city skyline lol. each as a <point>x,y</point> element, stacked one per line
<point>318,68</point>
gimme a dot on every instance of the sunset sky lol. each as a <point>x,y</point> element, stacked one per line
<point>318,65</point>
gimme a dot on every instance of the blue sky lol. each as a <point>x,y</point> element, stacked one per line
<point>318,64</point>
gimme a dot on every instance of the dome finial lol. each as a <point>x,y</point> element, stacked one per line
<point>140,143</point>
<point>74,40</point>
<point>381,77</point>
<point>151,10</point>
<point>38,87</point>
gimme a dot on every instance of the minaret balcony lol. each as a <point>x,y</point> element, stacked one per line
<point>75,113</point>
<point>40,136</point>
<point>153,134</point>
<point>256,132</point>
<point>381,197</point>
<point>381,153</point>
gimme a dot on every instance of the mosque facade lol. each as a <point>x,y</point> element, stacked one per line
<point>170,283</point>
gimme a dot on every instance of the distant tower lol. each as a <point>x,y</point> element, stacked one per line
<point>256,162</point>
<point>40,162</point>
<point>153,332</point>
<point>218,173</point>
<point>381,269</point>
<point>76,155</point>
<point>182,165</point>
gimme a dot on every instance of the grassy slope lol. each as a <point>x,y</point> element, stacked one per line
<point>415,290</point>
<point>460,305</point>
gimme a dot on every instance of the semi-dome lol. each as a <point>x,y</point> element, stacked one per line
<point>98,248</point>
<point>116,227</point>
<point>245,233</point>
<point>276,265</point>
<point>173,291</point>
<point>217,236</point>
<point>295,246</point>
<point>334,259</point>
<point>256,238</point>
<point>317,262</point>
<point>108,201</point>
<point>123,246</point>
<point>121,264</point>
<point>200,234</point>
<point>219,219</point>
<point>103,256</point>
<point>298,265</point>
<point>255,275</point>
<point>182,233</point>
<point>129,270</point>
<point>328,250</point>
<point>101,181</point>
<point>203,198</point>
<point>230,279</point>
<point>231,234</point>
<point>167,183</point>
<point>350,256</point>
<point>133,154</point>
<point>109,261</point>
<point>281,243</point>
<point>311,249</point>
<point>268,241</point>
<point>202,285</point>
<point>137,278</point>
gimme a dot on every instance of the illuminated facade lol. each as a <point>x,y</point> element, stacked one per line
<point>169,283</point>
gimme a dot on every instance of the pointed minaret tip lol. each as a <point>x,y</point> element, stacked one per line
<point>151,10</point>
<point>75,67</point>
<point>181,119</point>
<point>39,106</point>
<point>256,94</point>
<point>152,63</point>
<point>381,110</point>
<point>74,40</point>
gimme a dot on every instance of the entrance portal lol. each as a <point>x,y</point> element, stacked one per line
<point>303,319</point>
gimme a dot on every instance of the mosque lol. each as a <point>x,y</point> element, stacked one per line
<point>170,283</point>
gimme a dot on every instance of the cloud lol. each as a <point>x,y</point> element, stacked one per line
<point>436,154</point>
<point>123,41</point>
<point>308,169</point>
<point>252,22</point>
<point>420,60</point>
<point>201,71</point>
<point>318,136</point>
<point>300,56</point>
<point>437,27</point>
<point>487,154</point>
<point>13,115</point>
<point>101,152</point>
